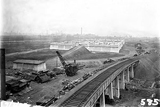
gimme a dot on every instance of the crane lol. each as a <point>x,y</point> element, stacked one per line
<point>71,68</point>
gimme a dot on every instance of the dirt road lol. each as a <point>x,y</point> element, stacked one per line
<point>25,52</point>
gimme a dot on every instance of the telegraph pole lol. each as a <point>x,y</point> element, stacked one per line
<point>3,74</point>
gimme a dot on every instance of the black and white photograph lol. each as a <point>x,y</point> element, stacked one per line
<point>80,53</point>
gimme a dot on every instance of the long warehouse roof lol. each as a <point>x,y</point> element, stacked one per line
<point>34,62</point>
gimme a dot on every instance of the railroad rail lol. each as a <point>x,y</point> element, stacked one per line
<point>81,96</point>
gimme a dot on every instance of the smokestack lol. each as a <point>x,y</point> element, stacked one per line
<point>3,74</point>
<point>81,31</point>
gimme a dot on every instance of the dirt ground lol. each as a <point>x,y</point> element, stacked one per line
<point>148,70</point>
<point>49,89</point>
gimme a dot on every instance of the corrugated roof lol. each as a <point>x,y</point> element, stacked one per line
<point>23,61</point>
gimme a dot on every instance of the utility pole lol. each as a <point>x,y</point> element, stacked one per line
<point>3,74</point>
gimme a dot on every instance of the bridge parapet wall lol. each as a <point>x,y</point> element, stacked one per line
<point>101,89</point>
<point>91,95</point>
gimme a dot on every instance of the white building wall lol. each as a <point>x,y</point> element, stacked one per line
<point>115,49</point>
<point>53,46</point>
<point>14,66</point>
<point>109,45</point>
<point>22,66</point>
<point>40,67</point>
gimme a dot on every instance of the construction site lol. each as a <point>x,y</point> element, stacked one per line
<point>80,53</point>
<point>44,82</point>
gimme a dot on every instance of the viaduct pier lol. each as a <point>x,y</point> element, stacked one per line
<point>108,82</point>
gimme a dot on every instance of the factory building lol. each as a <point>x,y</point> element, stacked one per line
<point>35,65</point>
<point>96,45</point>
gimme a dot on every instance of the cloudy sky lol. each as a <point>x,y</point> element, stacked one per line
<point>68,16</point>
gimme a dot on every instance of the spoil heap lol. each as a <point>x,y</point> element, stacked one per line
<point>80,53</point>
<point>148,68</point>
<point>76,52</point>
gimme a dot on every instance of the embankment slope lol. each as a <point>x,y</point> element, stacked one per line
<point>148,68</point>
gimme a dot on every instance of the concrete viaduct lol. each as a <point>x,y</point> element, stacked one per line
<point>108,82</point>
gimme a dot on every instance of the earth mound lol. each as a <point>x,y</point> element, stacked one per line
<point>148,68</point>
<point>80,53</point>
<point>73,53</point>
<point>76,52</point>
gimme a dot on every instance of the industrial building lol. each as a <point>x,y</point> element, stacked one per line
<point>96,45</point>
<point>35,65</point>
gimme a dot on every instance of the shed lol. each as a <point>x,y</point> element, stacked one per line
<point>23,64</point>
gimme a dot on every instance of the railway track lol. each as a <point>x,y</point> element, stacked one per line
<point>79,98</point>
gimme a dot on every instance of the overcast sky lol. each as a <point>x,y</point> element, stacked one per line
<point>68,16</point>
